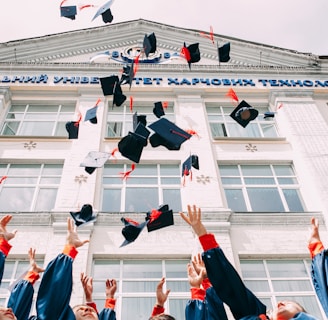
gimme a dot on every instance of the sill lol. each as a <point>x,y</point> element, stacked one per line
<point>258,139</point>
<point>34,138</point>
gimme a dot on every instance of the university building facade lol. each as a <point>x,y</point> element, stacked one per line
<point>257,186</point>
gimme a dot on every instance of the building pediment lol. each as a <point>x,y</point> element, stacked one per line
<point>119,43</point>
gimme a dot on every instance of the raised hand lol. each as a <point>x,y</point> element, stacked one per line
<point>33,265</point>
<point>161,296</point>
<point>3,228</point>
<point>87,284</point>
<point>314,232</point>
<point>195,279</point>
<point>72,236</point>
<point>111,287</point>
<point>194,219</point>
<point>199,265</point>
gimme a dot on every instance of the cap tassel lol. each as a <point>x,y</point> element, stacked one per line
<point>280,106</point>
<point>126,174</point>
<point>179,134</point>
<point>185,53</point>
<point>131,103</point>
<point>165,104</point>
<point>192,132</point>
<point>132,221</point>
<point>86,6</point>
<point>62,2</point>
<point>232,94</point>
<point>3,178</point>
<point>155,214</point>
<point>77,123</point>
<point>208,36</point>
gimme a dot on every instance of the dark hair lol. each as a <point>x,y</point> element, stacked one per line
<point>162,317</point>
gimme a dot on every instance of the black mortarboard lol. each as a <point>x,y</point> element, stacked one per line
<point>160,218</point>
<point>224,52</point>
<point>191,53</point>
<point>131,146</point>
<point>105,11</point>
<point>167,134</point>
<point>108,84</point>
<point>84,215</point>
<point>72,128</point>
<point>244,113</point>
<point>139,118</point>
<point>93,160</point>
<point>149,44</point>
<point>131,230</point>
<point>158,109</point>
<point>268,114</point>
<point>68,12</point>
<point>91,115</point>
<point>119,97</point>
<point>127,75</point>
<point>192,161</point>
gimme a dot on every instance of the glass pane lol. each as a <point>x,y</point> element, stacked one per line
<point>141,199</point>
<point>112,180</point>
<point>52,169</point>
<point>236,130</point>
<point>111,201</point>
<point>17,108</point>
<point>147,170</point>
<point>106,269</point>
<point>49,180</point>
<point>10,128</point>
<point>61,129</point>
<point>69,108</point>
<point>252,130</point>
<point>176,268</point>
<point>283,170</point>
<point>139,286</point>
<point>46,199</point>
<point>229,170</point>
<point>16,199</point>
<point>114,129</point>
<point>142,269</point>
<point>43,108</point>
<point>265,200</point>
<point>9,269</point>
<point>235,200</point>
<point>269,130</point>
<point>178,286</point>
<point>287,180</point>
<point>252,269</point>
<point>113,169</point>
<point>259,181</point>
<point>21,180</point>
<point>218,130</point>
<point>169,170</point>
<point>137,308</point>
<point>141,180</point>
<point>173,197</point>
<point>231,181</point>
<point>170,180</point>
<point>22,267</point>
<point>257,286</point>
<point>293,200</point>
<point>36,128</point>
<point>177,308</point>
<point>292,285</point>
<point>281,269</point>
<point>249,170</point>
<point>24,169</point>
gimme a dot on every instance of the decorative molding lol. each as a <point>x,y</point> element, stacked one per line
<point>250,147</point>
<point>81,178</point>
<point>30,145</point>
<point>203,179</point>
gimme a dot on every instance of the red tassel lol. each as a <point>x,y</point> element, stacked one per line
<point>210,36</point>
<point>98,101</point>
<point>165,104</point>
<point>192,132</point>
<point>280,106</point>
<point>132,221</point>
<point>155,214</point>
<point>126,174</point>
<point>180,134</point>
<point>232,94</point>
<point>131,104</point>
<point>62,2</point>
<point>136,64</point>
<point>3,178</point>
<point>113,152</point>
<point>77,123</point>
<point>86,6</point>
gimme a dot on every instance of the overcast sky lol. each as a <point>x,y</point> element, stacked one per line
<point>299,25</point>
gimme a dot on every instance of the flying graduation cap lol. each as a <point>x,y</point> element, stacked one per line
<point>68,11</point>
<point>191,162</point>
<point>158,109</point>
<point>131,230</point>
<point>138,118</point>
<point>131,146</point>
<point>83,216</point>
<point>224,52</point>
<point>111,86</point>
<point>167,134</point>
<point>191,53</point>
<point>243,113</point>
<point>105,12</point>
<point>91,114</point>
<point>94,160</point>
<point>72,127</point>
<point>149,44</point>
<point>160,218</point>
<point>127,75</point>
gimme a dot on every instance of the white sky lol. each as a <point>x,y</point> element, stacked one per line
<point>299,25</point>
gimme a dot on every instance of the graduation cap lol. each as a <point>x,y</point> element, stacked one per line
<point>268,114</point>
<point>158,109</point>
<point>160,218</point>
<point>244,113</point>
<point>94,160</point>
<point>110,86</point>
<point>191,53</point>
<point>68,12</point>
<point>138,118</point>
<point>91,114</point>
<point>131,146</point>
<point>127,75</point>
<point>72,127</point>
<point>191,162</point>
<point>167,134</point>
<point>119,97</point>
<point>83,216</point>
<point>131,230</point>
<point>105,12</point>
<point>149,44</point>
<point>224,52</point>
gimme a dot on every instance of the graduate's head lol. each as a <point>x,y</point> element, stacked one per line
<point>7,314</point>
<point>84,312</point>
<point>162,316</point>
<point>286,309</point>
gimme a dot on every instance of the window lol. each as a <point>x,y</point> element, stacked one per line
<point>29,187</point>
<point>13,271</point>
<point>38,119</point>
<point>148,186</point>
<point>222,125</point>
<point>277,280</point>
<point>136,285</point>
<point>120,120</point>
<point>261,188</point>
